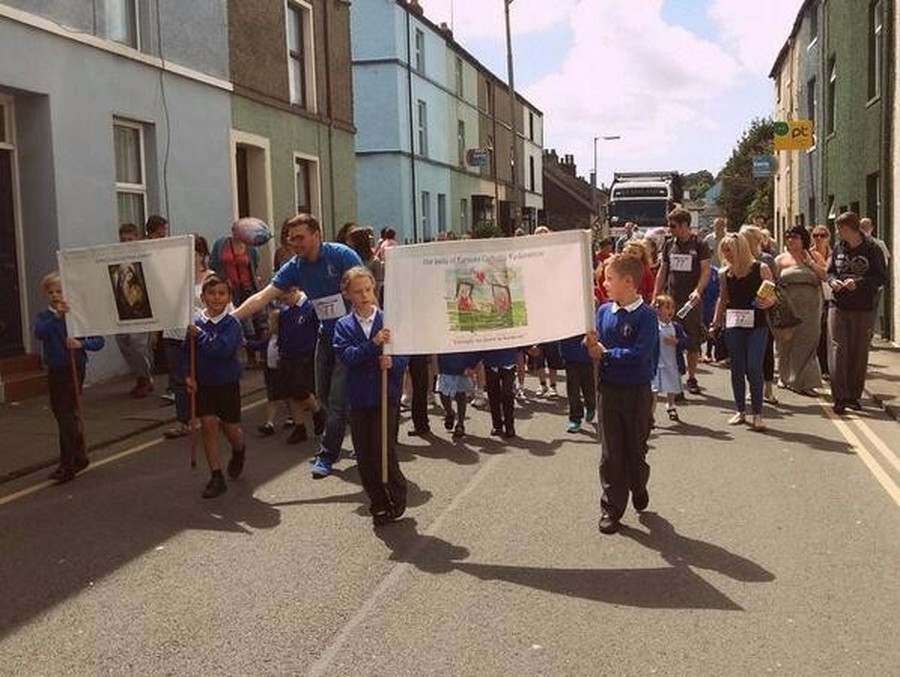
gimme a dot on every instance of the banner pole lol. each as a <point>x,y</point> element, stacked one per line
<point>79,403</point>
<point>384,426</point>
<point>193,371</point>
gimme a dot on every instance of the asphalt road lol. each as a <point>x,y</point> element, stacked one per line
<point>759,554</point>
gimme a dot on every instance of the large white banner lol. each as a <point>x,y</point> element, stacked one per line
<point>470,295</point>
<point>147,285</point>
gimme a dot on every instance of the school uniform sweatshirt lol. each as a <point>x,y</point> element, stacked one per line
<point>360,354</point>
<point>503,357</point>
<point>50,328</point>
<point>631,338</point>
<point>455,364</point>
<point>573,350</point>
<point>218,343</point>
<point>863,263</point>
<point>298,329</point>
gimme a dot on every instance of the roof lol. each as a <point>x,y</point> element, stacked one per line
<point>457,47</point>
<point>782,53</point>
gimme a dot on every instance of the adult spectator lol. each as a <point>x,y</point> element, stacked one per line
<point>317,268</point>
<point>360,241</point>
<point>236,263</point>
<point>856,271</point>
<point>683,274</point>
<point>628,235</point>
<point>800,273</point>
<point>135,347</point>
<point>388,240</point>
<point>344,233</point>
<point>284,251</point>
<point>606,248</point>
<point>756,238</point>
<point>715,238</point>
<point>868,228</point>
<point>821,244</point>
<point>157,227</point>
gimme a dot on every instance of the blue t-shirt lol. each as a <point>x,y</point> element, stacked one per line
<point>321,278</point>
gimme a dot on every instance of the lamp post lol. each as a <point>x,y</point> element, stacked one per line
<point>514,160</point>
<point>595,202</point>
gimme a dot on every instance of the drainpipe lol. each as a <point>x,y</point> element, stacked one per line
<point>412,138</point>
<point>330,116</point>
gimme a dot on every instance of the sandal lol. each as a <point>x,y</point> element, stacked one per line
<point>737,419</point>
<point>756,422</point>
<point>181,430</point>
<point>673,414</point>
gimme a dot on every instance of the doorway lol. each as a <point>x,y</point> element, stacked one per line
<point>11,339</point>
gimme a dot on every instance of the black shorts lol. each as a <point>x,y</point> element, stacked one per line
<point>223,401</point>
<point>298,375</point>
<point>274,385</point>
<point>693,327</point>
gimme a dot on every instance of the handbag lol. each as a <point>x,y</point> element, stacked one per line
<point>782,315</point>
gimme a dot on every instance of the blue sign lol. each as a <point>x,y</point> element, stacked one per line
<point>764,166</point>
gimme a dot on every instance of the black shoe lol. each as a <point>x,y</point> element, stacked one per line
<point>266,429</point>
<point>608,524</point>
<point>693,387</point>
<point>382,517</point>
<point>509,433</point>
<point>856,405</point>
<point>216,486</point>
<point>459,432</point>
<point>640,499</point>
<point>419,432</point>
<point>319,418</point>
<point>396,511</point>
<point>449,420</point>
<point>236,463</point>
<point>64,477</point>
<point>81,463</point>
<point>57,474</point>
<point>839,408</point>
<point>496,432</point>
<point>298,434</point>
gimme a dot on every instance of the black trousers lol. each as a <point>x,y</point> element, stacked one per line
<point>624,430</point>
<point>365,431</point>
<point>418,375</point>
<point>65,410</point>
<point>581,390</point>
<point>769,359</point>
<point>500,383</point>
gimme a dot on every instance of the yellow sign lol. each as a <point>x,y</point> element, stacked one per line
<point>794,135</point>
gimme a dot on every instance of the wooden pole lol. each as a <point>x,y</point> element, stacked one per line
<point>79,403</point>
<point>596,364</point>
<point>384,426</point>
<point>193,372</point>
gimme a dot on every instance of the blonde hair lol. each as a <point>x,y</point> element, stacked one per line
<point>354,273</point>
<point>49,279</point>
<point>626,266</point>
<point>741,257</point>
<point>755,238</point>
<point>663,300</point>
<point>541,230</point>
<point>637,249</point>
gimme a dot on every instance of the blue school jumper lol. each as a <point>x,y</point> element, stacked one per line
<point>218,344</point>
<point>298,329</point>
<point>360,354</point>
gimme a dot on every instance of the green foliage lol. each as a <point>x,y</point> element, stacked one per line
<point>698,182</point>
<point>744,197</point>
<point>484,230</point>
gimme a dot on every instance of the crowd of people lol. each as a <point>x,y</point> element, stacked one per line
<point>318,330</point>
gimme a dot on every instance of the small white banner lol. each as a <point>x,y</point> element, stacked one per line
<point>471,295</point>
<point>147,285</point>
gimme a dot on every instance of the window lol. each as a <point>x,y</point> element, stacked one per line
<point>131,181</point>
<point>778,88</point>
<point>531,173</point>
<point>811,210</point>
<point>461,141</point>
<point>301,65</point>
<point>306,185</point>
<point>117,20</point>
<point>442,213</point>
<point>463,215</point>
<point>811,99</point>
<point>489,96</point>
<point>420,51</point>
<point>832,96</point>
<point>426,215</point>
<point>531,125</point>
<point>873,198</point>
<point>876,46</point>
<point>423,128</point>
<point>3,125</point>
<point>813,23</point>
<point>459,77</point>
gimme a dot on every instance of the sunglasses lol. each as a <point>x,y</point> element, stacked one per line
<point>820,236</point>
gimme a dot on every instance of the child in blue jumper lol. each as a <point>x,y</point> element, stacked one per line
<point>671,366</point>
<point>500,379</point>
<point>627,344</point>
<point>359,339</point>
<point>218,382</point>
<point>50,328</point>
<point>581,390</point>
<point>454,384</point>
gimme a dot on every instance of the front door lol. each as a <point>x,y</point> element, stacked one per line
<point>10,308</point>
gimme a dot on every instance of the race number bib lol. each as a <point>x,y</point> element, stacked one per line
<point>329,307</point>
<point>681,263</point>
<point>739,319</point>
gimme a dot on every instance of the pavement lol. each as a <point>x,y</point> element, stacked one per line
<point>883,379</point>
<point>28,429</point>
<point>760,553</point>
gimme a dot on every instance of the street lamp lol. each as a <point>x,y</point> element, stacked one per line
<point>594,201</point>
<point>514,159</point>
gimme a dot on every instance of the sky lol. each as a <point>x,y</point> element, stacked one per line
<point>677,80</point>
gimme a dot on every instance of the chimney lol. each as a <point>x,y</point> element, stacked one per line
<point>568,164</point>
<point>415,7</point>
<point>446,30</point>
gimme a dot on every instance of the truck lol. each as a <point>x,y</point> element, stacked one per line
<point>644,198</point>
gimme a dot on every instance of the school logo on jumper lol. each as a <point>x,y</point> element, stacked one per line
<point>330,271</point>
<point>626,330</point>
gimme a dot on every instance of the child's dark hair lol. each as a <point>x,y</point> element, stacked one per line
<point>201,246</point>
<point>155,223</point>
<point>214,281</point>
<point>129,229</point>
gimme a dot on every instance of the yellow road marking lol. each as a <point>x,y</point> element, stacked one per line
<point>27,491</point>
<point>889,455</point>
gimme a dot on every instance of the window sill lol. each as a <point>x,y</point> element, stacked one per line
<point>813,43</point>
<point>875,99</point>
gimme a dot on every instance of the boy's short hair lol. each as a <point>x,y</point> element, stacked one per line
<point>850,219</point>
<point>626,266</point>
<point>307,220</point>
<point>156,223</point>
<point>49,279</point>
<point>663,300</point>
<point>354,273</point>
<point>214,281</point>
<point>129,229</point>
<point>680,215</point>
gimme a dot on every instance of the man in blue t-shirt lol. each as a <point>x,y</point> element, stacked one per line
<point>317,268</point>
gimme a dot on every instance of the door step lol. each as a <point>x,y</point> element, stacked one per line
<point>21,378</point>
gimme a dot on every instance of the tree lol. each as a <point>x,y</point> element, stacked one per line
<point>697,183</point>
<point>744,197</point>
